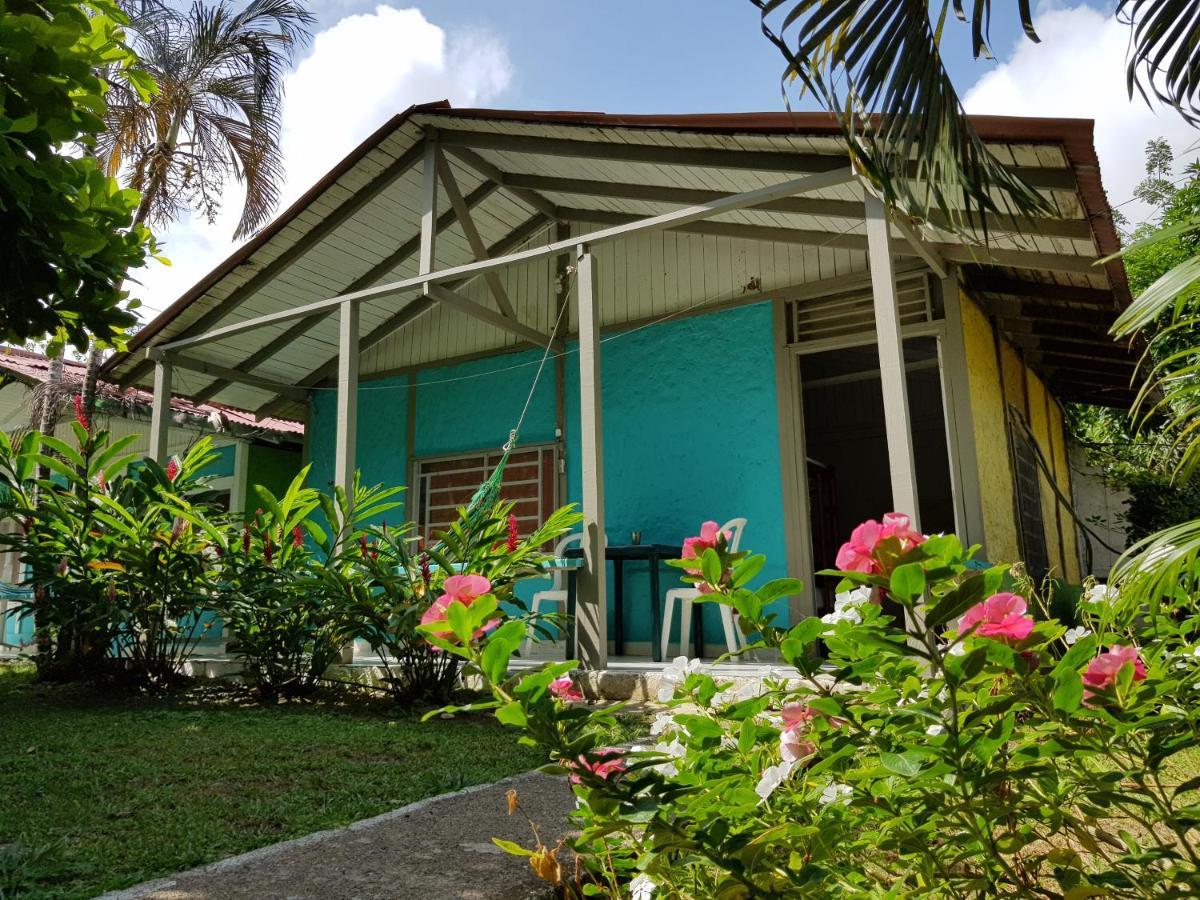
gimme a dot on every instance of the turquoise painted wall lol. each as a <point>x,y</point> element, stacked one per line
<point>223,465</point>
<point>382,448</point>
<point>473,406</point>
<point>690,432</point>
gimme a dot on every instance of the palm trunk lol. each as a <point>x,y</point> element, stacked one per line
<point>90,379</point>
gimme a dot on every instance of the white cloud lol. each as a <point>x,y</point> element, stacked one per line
<point>360,72</point>
<point>1078,71</point>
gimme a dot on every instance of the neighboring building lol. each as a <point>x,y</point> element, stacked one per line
<point>738,337</point>
<point>251,450</point>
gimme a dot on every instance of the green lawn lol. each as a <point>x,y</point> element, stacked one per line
<point>99,792</point>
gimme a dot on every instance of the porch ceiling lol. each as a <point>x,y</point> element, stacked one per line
<point>525,178</point>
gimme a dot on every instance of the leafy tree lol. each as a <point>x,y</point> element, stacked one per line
<point>68,230</point>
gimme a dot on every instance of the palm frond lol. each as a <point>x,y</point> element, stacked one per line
<point>1165,564</point>
<point>876,65</point>
<point>1164,58</point>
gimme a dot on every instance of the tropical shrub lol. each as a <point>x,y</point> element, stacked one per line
<point>285,635</point>
<point>397,588</point>
<point>970,747</point>
<point>120,556</point>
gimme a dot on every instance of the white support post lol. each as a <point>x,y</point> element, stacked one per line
<point>591,613</point>
<point>160,413</point>
<point>897,422</point>
<point>347,400</point>
<point>429,205</point>
<point>241,472</point>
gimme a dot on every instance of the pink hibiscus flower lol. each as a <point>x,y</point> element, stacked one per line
<point>1103,670</point>
<point>858,553</point>
<point>1000,616</point>
<point>694,547</point>
<point>605,763</point>
<point>899,525</point>
<point>464,589</point>
<point>564,689</point>
<point>793,748</point>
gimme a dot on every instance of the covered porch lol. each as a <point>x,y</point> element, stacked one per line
<point>455,251</point>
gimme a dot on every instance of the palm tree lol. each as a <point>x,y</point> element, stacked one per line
<point>877,66</point>
<point>216,113</point>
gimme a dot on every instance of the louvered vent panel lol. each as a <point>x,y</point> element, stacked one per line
<point>853,312</point>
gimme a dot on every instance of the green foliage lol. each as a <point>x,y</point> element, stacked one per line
<point>66,227</point>
<point>285,635</point>
<point>120,558</point>
<point>921,757</point>
<point>103,791</point>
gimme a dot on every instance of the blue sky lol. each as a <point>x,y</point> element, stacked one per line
<point>646,55</point>
<point>372,58</point>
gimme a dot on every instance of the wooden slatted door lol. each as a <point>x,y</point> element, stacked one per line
<point>445,483</point>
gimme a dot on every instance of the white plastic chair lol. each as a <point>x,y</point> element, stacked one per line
<point>734,640</point>
<point>557,593</point>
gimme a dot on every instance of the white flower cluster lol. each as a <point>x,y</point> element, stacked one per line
<point>1074,634</point>
<point>675,750</point>
<point>846,606</point>
<point>674,675</point>
<point>664,723</point>
<point>1101,594</point>
<point>735,693</point>
<point>772,777</point>
<point>836,793</point>
<point>642,888</point>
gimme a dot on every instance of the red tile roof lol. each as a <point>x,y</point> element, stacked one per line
<point>31,367</point>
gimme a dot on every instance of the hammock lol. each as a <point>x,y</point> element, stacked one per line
<point>488,493</point>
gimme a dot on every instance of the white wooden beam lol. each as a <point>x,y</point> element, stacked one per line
<point>429,203</point>
<point>499,320</point>
<point>673,219</point>
<point>160,412</point>
<point>932,258</point>
<point>493,174</point>
<point>209,368</point>
<point>478,247</point>
<point>897,421</point>
<point>591,613</point>
<point>347,401</point>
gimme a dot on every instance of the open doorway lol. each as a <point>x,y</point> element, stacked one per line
<point>846,446</point>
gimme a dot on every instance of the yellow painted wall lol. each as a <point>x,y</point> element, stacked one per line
<point>991,438</point>
<point>995,384</point>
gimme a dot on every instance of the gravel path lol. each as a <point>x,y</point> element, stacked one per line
<point>436,849</point>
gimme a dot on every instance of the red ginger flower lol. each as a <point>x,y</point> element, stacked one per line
<point>246,539</point>
<point>297,537</point>
<point>172,469</point>
<point>268,549</point>
<point>80,414</point>
<point>513,534</point>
